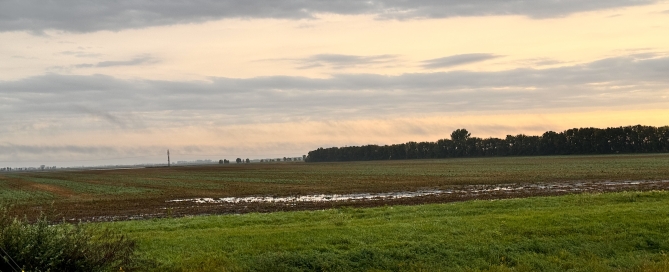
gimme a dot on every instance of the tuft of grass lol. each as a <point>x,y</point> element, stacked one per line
<point>41,246</point>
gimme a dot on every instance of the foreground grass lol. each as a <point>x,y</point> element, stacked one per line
<point>626,231</point>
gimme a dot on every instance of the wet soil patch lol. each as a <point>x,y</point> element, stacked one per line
<point>163,207</point>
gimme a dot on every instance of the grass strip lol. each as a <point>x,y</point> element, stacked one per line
<point>626,231</point>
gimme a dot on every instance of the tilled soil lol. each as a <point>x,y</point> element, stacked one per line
<point>134,209</point>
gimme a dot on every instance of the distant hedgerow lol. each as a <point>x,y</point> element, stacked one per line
<point>42,246</point>
<point>612,140</point>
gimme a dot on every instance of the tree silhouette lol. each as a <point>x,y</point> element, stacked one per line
<point>460,135</point>
<point>631,139</point>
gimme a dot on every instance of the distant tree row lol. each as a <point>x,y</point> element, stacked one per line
<point>630,139</point>
<point>284,159</point>
<point>240,160</point>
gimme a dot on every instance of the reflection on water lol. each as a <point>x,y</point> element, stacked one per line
<point>312,198</point>
<point>469,190</point>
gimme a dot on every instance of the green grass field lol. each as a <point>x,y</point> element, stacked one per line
<point>627,231</point>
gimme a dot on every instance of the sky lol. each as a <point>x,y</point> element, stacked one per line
<point>115,82</point>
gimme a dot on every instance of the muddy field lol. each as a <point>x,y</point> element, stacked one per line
<point>129,194</point>
<point>199,206</point>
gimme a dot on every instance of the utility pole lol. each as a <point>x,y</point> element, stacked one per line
<point>168,158</point>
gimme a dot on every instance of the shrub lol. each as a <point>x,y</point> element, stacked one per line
<point>42,246</point>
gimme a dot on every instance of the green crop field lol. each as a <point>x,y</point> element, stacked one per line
<point>626,231</point>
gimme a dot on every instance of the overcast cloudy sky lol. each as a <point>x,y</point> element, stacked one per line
<point>107,82</point>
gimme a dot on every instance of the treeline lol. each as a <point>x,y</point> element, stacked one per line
<point>630,139</point>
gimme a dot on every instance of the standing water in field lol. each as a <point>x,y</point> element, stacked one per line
<point>312,198</point>
<point>468,190</point>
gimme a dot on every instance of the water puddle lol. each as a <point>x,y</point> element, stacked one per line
<point>312,198</point>
<point>468,190</point>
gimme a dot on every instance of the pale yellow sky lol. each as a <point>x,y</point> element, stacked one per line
<point>241,48</point>
<point>255,87</point>
<point>296,138</point>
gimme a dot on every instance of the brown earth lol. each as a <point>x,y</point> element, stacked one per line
<point>126,194</point>
<point>53,189</point>
<point>133,209</point>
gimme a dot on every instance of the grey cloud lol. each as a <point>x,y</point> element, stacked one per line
<point>63,85</point>
<point>80,54</point>
<point>305,26</point>
<point>86,16</point>
<point>542,62</point>
<point>613,82</point>
<point>338,61</point>
<point>537,62</point>
<point>456,60</point>
<point>14,155</point>
<point>51,104</point>
<point>311,65</point>
<point>135,61</point>
<point>73,149</point>
<point>111,118</point>
<point>22,57</point>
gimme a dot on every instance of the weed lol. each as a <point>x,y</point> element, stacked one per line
<point>40,246</point>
